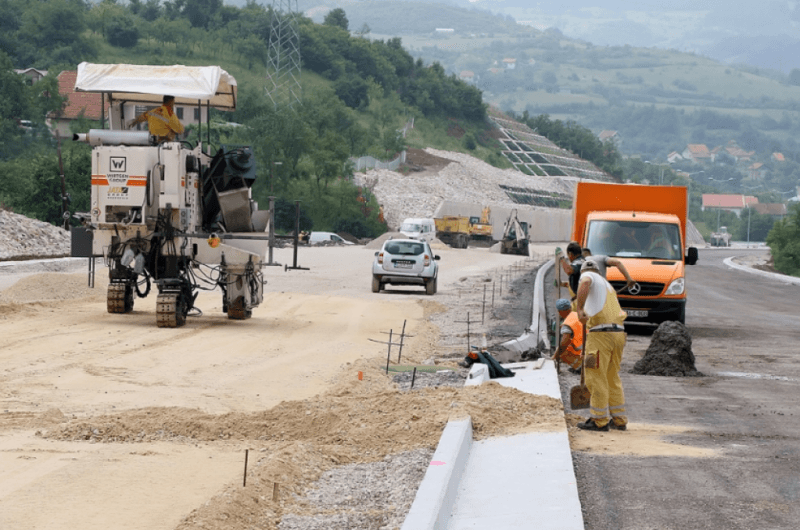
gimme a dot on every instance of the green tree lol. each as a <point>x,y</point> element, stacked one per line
<point>122,30</point>
<point>338,18</point>
<point>784,243</point>
<point>52,31</point>
<point>352,90</point>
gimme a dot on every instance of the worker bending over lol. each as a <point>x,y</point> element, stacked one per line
<point>599,309</point>
<point>162,121</point>
<point>570,347</point>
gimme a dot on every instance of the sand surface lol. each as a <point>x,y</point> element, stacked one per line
<point>107,420</point>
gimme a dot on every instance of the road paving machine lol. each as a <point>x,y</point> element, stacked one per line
<point>171,214</point>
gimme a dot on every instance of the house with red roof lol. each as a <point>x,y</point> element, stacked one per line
<point>78,104</point>
<point>776,210</point>
<point>757,171</point>
<point>697,153</point>
<point>612,136</point>
<point>731,203</point>
<point>674,157</point>
<point>468,76</point>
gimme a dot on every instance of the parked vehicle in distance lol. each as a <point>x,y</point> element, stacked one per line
<point>405,262</point>
<point>418,228</point>
<point>721,238</point>
<point>320,238</point>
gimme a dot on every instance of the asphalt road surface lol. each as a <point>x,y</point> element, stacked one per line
<point>746,340</point>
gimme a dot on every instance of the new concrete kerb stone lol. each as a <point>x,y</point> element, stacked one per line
<point>437,492</point>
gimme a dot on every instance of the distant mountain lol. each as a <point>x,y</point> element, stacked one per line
<point>762,34</point>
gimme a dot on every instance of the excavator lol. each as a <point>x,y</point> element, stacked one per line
<point>515,236</point>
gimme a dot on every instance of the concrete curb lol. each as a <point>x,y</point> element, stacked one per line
<point>437,492</point>
<point>766,274</point>
<point>537,332</point>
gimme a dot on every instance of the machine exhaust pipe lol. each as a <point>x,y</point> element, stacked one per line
<point>107,137</point>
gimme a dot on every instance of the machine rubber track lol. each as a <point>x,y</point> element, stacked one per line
<point>119,298</point>
<point>169,314</point>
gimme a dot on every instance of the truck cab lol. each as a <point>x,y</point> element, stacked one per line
<point>645,228</point>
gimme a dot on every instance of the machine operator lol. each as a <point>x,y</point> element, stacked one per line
<point>162,121</point>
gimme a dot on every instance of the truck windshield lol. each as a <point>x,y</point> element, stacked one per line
<point>627,239</point>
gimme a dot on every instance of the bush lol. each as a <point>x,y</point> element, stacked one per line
<point>784,243</point>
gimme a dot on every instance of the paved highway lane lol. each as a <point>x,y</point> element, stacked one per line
<point>716,452</point>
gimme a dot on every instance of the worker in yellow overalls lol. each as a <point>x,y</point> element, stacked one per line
<point>162,121</point>
<point>599,309</point>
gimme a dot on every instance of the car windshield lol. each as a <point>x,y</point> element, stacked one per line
<point>410,227</point>
<point>404,248</point>
<point>626,239</point>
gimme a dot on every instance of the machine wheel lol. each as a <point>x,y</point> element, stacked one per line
<point>238,311</point>
<point>376,284</point>
<point>430,286</point>
<point>119,298</point>
<point>169,311</point>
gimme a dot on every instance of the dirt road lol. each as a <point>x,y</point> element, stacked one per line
<point>186,402</point>
<point>725,450</point>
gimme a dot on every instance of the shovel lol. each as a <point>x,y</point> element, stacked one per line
<point>579,395</point>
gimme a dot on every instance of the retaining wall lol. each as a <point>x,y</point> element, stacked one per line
<point>544,224</point>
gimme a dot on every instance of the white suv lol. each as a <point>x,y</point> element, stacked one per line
<point>405,262</point>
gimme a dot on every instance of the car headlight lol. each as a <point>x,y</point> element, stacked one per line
<point>676,287</point>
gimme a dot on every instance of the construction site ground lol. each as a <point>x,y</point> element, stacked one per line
<point>108,421</point>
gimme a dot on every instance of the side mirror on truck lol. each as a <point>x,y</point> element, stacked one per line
<point>691,256</point>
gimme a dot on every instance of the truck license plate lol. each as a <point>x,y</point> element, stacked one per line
<point>636,313</point>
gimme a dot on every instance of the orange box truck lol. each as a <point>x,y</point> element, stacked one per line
<point>645,228</point>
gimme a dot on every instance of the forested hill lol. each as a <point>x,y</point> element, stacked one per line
<point>356,94</point>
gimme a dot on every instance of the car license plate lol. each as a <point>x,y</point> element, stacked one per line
<point>636,313</point>
<point>403,264</point>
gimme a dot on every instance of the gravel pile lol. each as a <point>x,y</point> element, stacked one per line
<point>464,179</point>
<point>372,496</point>
<point>25,238</point>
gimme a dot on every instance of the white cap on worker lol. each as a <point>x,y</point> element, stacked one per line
<point>589,264</point>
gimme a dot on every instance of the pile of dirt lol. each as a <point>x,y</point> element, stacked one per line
<point>52,286</point>
<point>669,354</point>
<point>358,424</point>
<point>421,159</point>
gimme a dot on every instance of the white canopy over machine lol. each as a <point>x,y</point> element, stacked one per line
<point>147,84</point>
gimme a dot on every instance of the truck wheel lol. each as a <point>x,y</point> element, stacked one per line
<point>376,284</point>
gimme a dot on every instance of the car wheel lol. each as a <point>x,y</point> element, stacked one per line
<point>430,286</point>
<point>376,284</point>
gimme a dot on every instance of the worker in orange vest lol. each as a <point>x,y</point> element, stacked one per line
<point>570,348</point>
